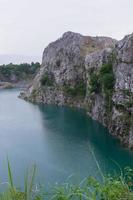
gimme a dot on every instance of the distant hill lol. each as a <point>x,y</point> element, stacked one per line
<point>18,59</point>
<point>18,75</point>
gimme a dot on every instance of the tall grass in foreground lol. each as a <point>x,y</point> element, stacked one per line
<point>111,188</point>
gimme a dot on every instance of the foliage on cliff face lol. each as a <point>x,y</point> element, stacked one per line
<point>103,82</point>
<point>107,77</point>
<point>79,89</point>
<point>107,82</point>
<point>47,80</point>
<point>94,83</point>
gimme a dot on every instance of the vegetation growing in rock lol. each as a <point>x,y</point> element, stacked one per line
<point>94,83</point>
<point>104,79</point>
<point>20,71</point>
<point>47,80</point>
<point>79,89</point>
<point>103,82</point>
<point>107,77</point>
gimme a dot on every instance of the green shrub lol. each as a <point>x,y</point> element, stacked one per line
<point>107,77</point>
<point>107,83</point>
<point>103,82</point>
<point>46,80</point>
<point>94,83</point>
<point>78,90</point>
<point>106,68</point>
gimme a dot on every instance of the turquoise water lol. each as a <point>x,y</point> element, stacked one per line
<point>59,140</point>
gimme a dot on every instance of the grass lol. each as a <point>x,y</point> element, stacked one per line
<point>12,193</point>
<point>110,188</point>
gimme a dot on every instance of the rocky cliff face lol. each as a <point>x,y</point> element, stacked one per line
<point>95,73</point>
<point>110,89</point>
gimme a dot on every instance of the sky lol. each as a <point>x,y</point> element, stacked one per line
<point>28,26</point>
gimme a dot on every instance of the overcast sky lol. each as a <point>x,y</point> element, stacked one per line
<point>27,26</point>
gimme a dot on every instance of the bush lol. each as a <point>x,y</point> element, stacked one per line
<point>94,83</point>
<point>104,79</point>
<point>78,90</point>
<point>107,77</point>
<point>108,81</point>
<point>46,80</point>
<point>106,68</point>
<point>103,82</point>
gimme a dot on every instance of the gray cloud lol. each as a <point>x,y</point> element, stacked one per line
<point>27,26</point>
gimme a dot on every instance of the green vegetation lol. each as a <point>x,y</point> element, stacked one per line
<point>20,71</point>
<point>109,188</point>
<point>13,193</point>
<point>107,84</point>
<point>94,83</point>
<point>47,80</point>
<point>103,82</point>
<point>107,78</point>
<point>78,90</point>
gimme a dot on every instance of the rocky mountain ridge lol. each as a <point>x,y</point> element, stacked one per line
<point>95,73</point>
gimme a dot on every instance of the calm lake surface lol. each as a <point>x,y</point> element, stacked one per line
<point>59,140</point>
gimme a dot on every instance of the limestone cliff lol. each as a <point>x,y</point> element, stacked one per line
<point>95,73</point>
<point>110,89</point>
